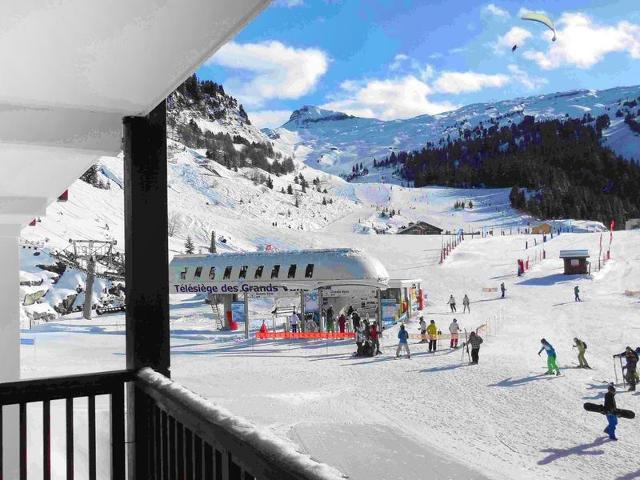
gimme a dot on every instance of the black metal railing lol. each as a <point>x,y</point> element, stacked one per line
<point>68,388</point>
<point>172,434</point>
<point>187,439</point>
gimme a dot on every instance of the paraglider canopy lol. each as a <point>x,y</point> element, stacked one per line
<point>541,18</point>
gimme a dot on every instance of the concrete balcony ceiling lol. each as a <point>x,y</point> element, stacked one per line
<point>71,69</point>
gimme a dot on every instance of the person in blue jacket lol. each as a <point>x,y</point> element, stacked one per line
<point>403,336</point>
<point>552,366</point>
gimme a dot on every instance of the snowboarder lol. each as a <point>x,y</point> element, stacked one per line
<point>576,293</point>
<point>342,322</point>
<point>551,357</point>
<point>423,330</point>
<point>609,410</point>
<point>432,331</point>
<point>632,361</point>
<point>373,333</point>
<point>452,304</point>
<point>293,321</point>
<point>581,346</point>
<point>503,289</point>
<point>475,341</point>
<point>465,303</point>
<point>454,330</point>
<point>403,336</point>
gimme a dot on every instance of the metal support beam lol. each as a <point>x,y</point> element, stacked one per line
<point>146,267</point>
<point>246,316</point>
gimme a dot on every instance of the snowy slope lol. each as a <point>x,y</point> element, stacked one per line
<point>334,142</point>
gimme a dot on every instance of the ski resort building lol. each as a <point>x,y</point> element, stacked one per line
<point>341,278</point>
<point>109,68</point>
<point>575,261</point>
<point>421,228</point>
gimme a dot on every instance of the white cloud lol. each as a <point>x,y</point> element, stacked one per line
<point>269,118</point>
<point>527,80</point>
<point>496,11</point>
<point>463,82</point>
<point>515,36</point>
<point>583,43</point>
<point>271,70</point>
<point>398,60</point>
<point>389,99</point>
<point>288,3</point>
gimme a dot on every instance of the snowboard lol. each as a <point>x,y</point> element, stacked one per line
<point>596,407</point>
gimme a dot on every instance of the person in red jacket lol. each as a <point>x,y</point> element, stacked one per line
<point>342,321</point>
<point>373,333</point>
<point>263,327</point>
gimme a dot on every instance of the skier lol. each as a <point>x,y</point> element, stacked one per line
<point>581,346</point>
<point>342,321</point>
<point>502,289</point>
<point>576,293</point>
<point>465,303</point>
<point>609,410</point>
<point>423,330</point>
<point>632,362</point>
<point>403,335</point>
<point>432,331</point>
<point>330,319</point>
<point>551,357</point>
<point>454,330</point>
<point>373,332</point>
<point>293,321</point>
<point>356,319</point>
<point>452,304</point>
<point>475,341</point>
<point>263,327</point>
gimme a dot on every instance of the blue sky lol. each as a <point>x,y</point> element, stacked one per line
<point>393,59</point>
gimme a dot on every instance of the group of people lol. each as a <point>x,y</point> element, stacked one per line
<point>465,303</point>
<point>367,339</point>
<point>429,333</point>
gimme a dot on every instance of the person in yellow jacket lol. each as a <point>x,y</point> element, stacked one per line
<point>432,332</point>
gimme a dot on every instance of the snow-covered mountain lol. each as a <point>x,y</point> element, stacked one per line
<point>334,142</point>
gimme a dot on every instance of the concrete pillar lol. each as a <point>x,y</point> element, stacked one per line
<point>10,338</point>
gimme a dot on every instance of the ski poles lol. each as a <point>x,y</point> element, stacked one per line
<point>615,370</point>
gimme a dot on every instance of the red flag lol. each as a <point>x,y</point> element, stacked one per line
<point>600,242</point>
<point>611,227</point>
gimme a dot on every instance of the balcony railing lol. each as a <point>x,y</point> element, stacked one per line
<point>180,435</point>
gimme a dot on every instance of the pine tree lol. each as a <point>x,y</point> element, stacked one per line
<point>282,190</point>
<point>324,201</point>
<point>270,183</point>
<point>188,246</point>
<point>289,189</point>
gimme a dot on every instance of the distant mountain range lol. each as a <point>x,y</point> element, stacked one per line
<point>334,141</point>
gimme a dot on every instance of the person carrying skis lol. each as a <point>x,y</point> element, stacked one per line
<point>475,341</point>
<point>342,322</point>
<point>432,331</point>
<point>403,344</point>
<point>609,411</point>
<point>503,289</point>
<point>551,357</point>
<point>581,346</point>
<point>375,338</point>
<point>632,362</point>
<point>423,330</point>
<point>454,330</point>
<point>452,304</point>
<point>576,293</point>
<point>465,303</point>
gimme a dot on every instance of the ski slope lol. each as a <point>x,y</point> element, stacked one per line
<point>386,418</point>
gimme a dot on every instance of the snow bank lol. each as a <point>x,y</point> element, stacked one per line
<point>261,440</point>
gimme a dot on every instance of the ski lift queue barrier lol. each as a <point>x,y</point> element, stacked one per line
<point>304,335</point>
